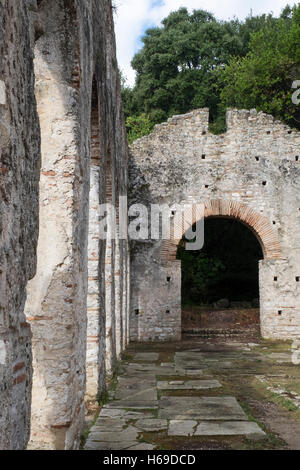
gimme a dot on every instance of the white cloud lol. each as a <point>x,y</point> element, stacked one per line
<point>129,24</point>
<point>134,16</point>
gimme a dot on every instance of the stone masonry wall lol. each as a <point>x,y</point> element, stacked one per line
<point>109,286</point>
<point>250,173</point>
<point>79,107</point>
<point>79,129</point>
<point>153,287</point>
<point>19,174</point>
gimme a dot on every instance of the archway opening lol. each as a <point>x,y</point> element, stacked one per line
<point>220,283</point>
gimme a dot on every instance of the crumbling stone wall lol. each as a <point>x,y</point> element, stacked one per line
<point>250,173</point>
<point>108,308</point>
<point>19,174</point>
<point>81,136</point>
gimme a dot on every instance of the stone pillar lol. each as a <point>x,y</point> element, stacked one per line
<point>128,295</point>
<point>124,299</point>
<point>93,305</point>
<point>56,305</point>
<point>118,298</point>
<point>279,299</point>
<point>110,306</point>
<point>156,302</point>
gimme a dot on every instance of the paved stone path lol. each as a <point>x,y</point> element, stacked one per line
<point>178,398</point>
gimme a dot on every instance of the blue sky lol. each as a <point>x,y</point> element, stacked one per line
<point>133,17</point>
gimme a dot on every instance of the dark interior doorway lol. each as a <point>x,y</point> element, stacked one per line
<point>224,275</point>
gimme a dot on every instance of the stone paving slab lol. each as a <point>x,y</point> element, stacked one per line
<point>190,356</point>
<point>117,414</point>
<point>151,425</point>
<point>146,357</point>
<point>131,382</point>
<point>188,353</point>
<point>129,434</point>
<point>207,428</point>
<point>207,357</point>
<point>151,369</point>
<point>182,427</point>
<point>206,408</point>
<point>133,405</point>
<point>142,446</point>
<point>181,362</point>
<point>189,385</point>
<point>136,371</point>
<point>189,372</point>
<point>216,365</point>
<point>202,364</point>
<point>91,445</point>
<point>104,424</point>
<point>149,395</point>
<point>230,428</point>
<point>281,358</point>
<point>133,390</point>
<point>207,354</point>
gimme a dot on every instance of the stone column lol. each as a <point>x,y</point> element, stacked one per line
<point>279,299</point>
<point>19,175</point>
<point>156,302</point>
<point>56,305</point>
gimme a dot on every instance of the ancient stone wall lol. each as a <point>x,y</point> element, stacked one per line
<point>79,299</point>
<point>108,260</point>
<point>250,173</point>
<point>82,134</point>
<point>19,174</point>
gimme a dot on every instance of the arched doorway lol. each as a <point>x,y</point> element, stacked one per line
<point>266,235</point>
<point>220,283</point>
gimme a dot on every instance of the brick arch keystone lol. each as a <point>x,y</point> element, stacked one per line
<point>257,223</point>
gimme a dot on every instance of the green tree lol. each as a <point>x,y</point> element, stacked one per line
<point>263,78</point>
<point>174,68</point>
<point>179,65</point>
<point>137,126</point>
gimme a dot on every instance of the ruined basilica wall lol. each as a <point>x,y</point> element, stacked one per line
<point>19,174</point>
<point>73,83</point>
<point>251,172</point>
<point>79,110</point>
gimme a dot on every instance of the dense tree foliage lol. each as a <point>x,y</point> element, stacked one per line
<point>263,78</point>
<point>194,60</point>
<point>138,126</point>
<point>226,267</point>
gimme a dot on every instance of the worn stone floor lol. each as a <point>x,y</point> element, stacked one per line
<point>202,394</point>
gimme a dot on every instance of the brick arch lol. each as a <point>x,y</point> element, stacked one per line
<point>257,223</point>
